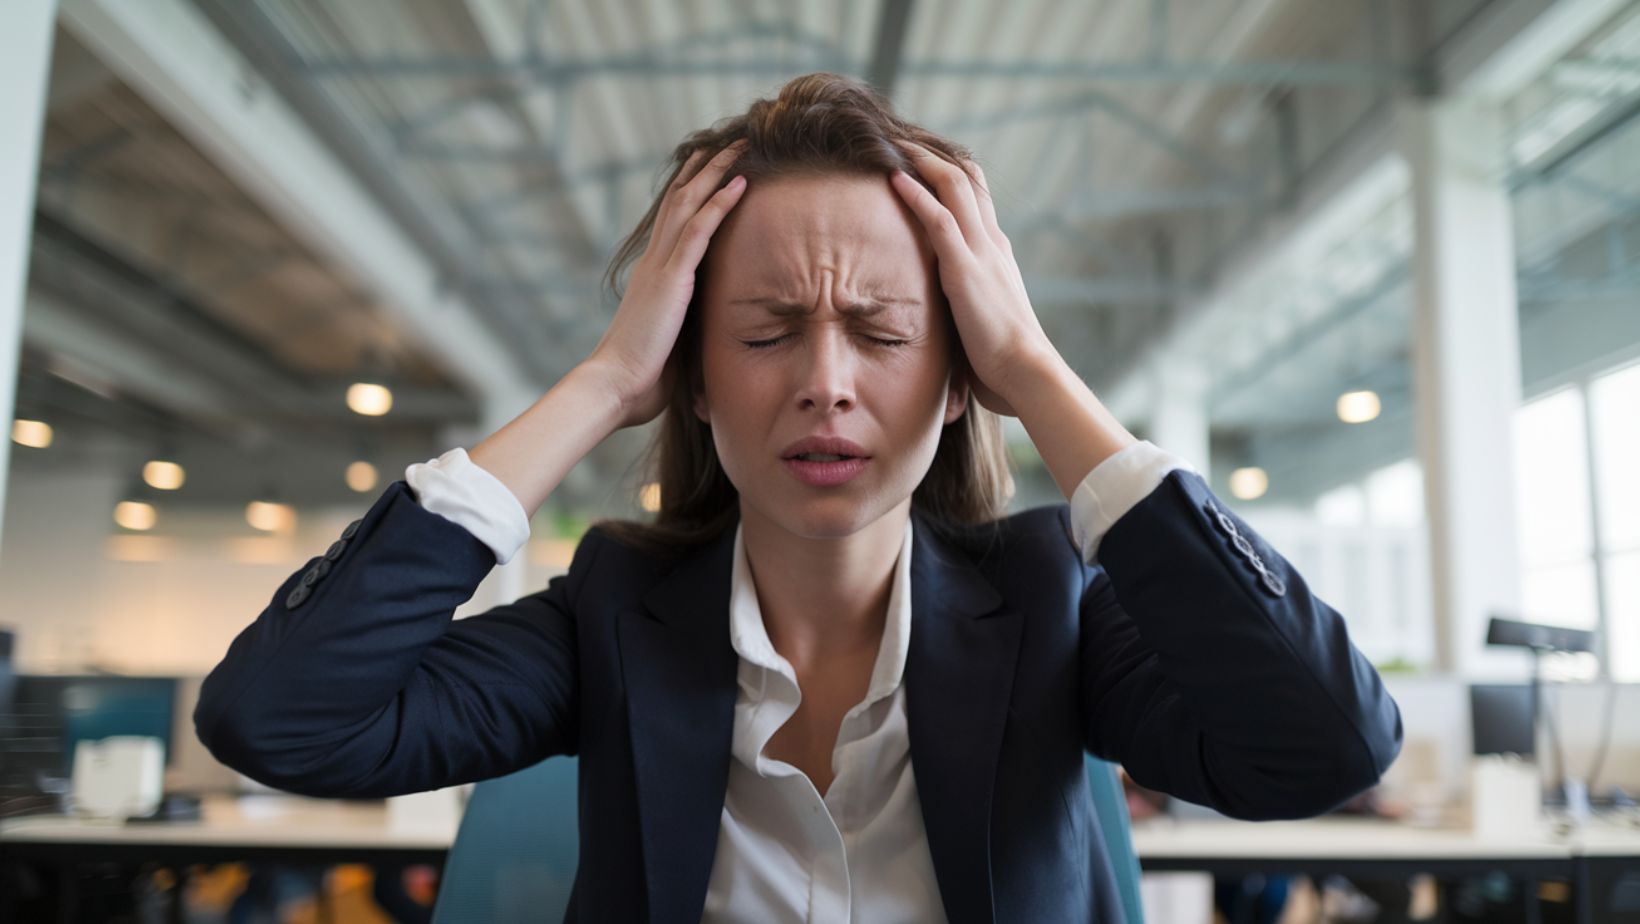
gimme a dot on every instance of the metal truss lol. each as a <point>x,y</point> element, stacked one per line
<point>567,72</point>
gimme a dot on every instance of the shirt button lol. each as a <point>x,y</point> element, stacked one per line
<point>297,597</point>
<point>336,549</point>
<point>352,528</point>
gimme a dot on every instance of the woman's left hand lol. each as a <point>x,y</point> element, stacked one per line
<point>978,274</point>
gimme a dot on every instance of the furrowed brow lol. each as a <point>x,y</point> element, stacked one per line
<point>861,308</point>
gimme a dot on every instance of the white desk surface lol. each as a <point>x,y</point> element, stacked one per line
<point>256,820</point>
<point>1371,839</point>
<point>295,821</point>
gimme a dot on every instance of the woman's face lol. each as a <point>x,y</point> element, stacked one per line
<point>800,261</point>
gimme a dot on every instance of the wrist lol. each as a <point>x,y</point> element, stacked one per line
<point>1038,369</point>
<point>595,376</point>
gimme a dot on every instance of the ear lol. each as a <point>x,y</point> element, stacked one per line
<point>956,395</point>
<point>698,402</point>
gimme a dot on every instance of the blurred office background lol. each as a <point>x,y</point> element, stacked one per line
<point>1373,265</point>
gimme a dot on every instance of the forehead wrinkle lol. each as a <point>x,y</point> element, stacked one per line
<point>865,307</point>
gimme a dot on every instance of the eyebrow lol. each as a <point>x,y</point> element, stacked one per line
<point>862,308</point>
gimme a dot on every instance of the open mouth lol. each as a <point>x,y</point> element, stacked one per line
<point>824,470</point>
<point>822,457</point>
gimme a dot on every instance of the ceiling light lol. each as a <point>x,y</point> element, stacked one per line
<point>35,434</point>
<point>1249,483</point>
<point>361,476</point>
<point>369,400</point>
<point>134,515</point>
<point>270,517</point>
<point>163,475</point>
<point>649,497</point>
<point>1358,406</point>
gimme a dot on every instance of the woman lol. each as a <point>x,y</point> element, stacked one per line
<point>750,680</point>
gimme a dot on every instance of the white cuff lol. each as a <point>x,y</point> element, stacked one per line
<point>1114,487</point>
<point>460,490</point>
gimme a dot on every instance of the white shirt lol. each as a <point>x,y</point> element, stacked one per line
<point>784,852</point>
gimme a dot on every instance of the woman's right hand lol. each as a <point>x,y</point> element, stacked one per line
<point>634,351</point>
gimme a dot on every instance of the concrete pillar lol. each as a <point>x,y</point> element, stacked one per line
<point>26,30</point>
<point>1466,368</point>
<point>1178,410</point>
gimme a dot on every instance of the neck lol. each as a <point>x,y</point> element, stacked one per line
<point>824,599</point>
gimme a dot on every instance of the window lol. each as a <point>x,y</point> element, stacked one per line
<point>1553,522</point>
<point>1342,506</point>
<point>1580,543</point>
<point>1395,495</point>
<point>1614,416</point>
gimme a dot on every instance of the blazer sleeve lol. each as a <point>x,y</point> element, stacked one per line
<point>365,686</point>
<point>1211,672</point>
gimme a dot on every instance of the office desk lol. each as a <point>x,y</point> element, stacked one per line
<point>293,828</point>
<point>1380,850</point>
<point>280,828</point>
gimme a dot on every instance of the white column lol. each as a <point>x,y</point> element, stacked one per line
<point>25,70</point>
<point>1466,366</point>
<point>1178,410</point>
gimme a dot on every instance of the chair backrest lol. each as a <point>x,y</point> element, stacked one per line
<point>515,853</point>
<point>1110,807</point>
<point>514,856</point>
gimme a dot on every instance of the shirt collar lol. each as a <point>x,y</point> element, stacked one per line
<point>750,637</point>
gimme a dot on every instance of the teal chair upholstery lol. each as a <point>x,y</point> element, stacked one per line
<point>1110,807</point>
<point>514,856</point>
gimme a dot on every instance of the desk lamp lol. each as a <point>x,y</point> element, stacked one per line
<point>1540,639</point>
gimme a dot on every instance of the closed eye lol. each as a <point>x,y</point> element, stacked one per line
<point>764,344</point>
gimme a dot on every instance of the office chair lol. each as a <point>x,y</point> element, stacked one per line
<point>514,856</point>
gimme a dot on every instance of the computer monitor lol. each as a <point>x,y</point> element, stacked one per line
<point>8,673</point>
<point>58,712</point>
<point>1501,716</point>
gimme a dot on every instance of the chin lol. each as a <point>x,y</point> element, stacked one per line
<point>835,517</point>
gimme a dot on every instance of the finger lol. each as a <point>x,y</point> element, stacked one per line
<point>686,199</point>
<point>682,177</point>
<point>954,187</point>
<point>988,209</point>
<point>943,230</point>
<point>698,231</point>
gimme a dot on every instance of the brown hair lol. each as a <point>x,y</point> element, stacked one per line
<point>819,124</point>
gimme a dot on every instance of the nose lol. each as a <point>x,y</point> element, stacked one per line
<point>826,379</point>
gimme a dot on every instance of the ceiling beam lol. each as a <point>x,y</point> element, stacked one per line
<point>1510,43</point>
<point>204,86</point>
<point>506,37</point>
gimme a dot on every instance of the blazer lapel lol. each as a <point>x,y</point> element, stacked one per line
<point>680,674</point>
<point>959,675</point>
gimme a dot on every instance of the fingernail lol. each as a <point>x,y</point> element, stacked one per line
<point>738,181</point>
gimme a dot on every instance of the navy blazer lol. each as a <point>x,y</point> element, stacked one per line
<point>1193,654</point>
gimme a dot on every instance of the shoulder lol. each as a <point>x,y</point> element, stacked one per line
<point>1027,547</point>
<point>1043,530</point>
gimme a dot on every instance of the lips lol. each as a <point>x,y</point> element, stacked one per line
<point>831,445</point>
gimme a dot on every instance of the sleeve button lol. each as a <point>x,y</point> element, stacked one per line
<point>335,550</point>
<point>351,530</point>
<point>297,597</point>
